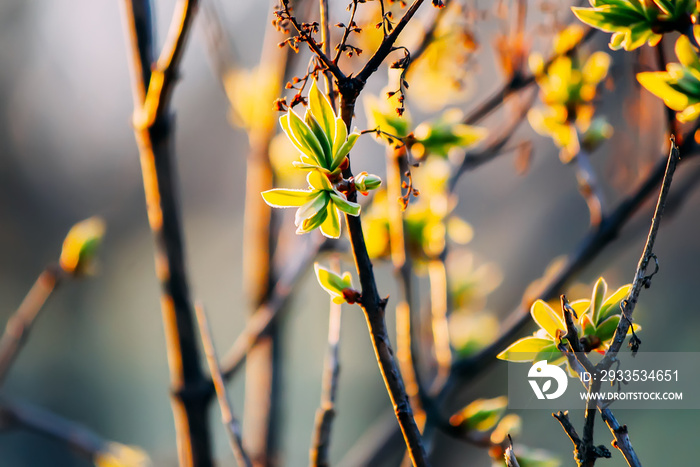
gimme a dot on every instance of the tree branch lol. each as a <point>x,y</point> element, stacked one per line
<point>229,420</point>
<point>374,308</point>
<point>387,45</point>
<point>640,277</point>
<point>20,323</point>
<point>153,131</point>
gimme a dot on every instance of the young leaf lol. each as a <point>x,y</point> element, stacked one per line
<point>283,198</point>
<point>331,226</point>
<point>480,415</point>
<point>322,110</point>
<point>341,202</point>
<point>599,291</point>
<point>524,350</point>
<point>611,306</point>
<point>546,318</point>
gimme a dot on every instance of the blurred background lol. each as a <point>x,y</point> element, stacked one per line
<point>96,354</point>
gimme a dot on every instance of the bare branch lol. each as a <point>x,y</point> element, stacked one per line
<point>20,323</point>
<point>640,277</point>
<point>229,420</point>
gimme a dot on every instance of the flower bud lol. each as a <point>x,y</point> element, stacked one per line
<point>365,182</point>
<point>80,246</point>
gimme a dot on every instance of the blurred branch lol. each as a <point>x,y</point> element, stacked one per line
<point>20,323</point>
<point>153,128</point>
<point>589,187</point>
<point>325,414</point>
<point>326,47</point>
<point>77,437</point>
<point>516,83</point>
<point>396,163</point>
<point>230,422</point>
<point>437,276</point>
<point>265,315</point>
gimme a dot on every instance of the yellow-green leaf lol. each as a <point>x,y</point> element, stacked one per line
<point>321,108</point>
<point>524,350</point>
<point>546,318</point>
<point>283,198</point>
<point>599,291</point>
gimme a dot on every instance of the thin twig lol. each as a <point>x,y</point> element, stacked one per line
<point>260,321</point>
<point>313,45</point>
<point>153,131</point>
<point>325,414</point>
<point>640,277</point>
<point>387,45</point>
<point>229,420</point>
<point>20,323</point>
<point>348,28</point>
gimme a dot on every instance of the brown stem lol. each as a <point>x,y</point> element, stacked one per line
<point>153,131</point>
<point>320,442</point>
<point>374,308</point>
<point>621,435</point>
<point>230,422</point>
<point>20,323</point>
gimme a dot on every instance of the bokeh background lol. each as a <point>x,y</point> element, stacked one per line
<point>96,355</point>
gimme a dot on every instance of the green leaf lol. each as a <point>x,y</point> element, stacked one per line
<point>546,318</point>
<point>313,223</point>
<point>306,137</point>
<point>341,202</point>
<point>331,226</point>
<point>331,282</point>
<point>524,350</point>
<point>341,135</point>
<point>321,137</point>
<point>611,306</point>
<point>284,123</point>
<point>481,415</point>
<point>606,329</point>
<point>345,148</point>
<point>319,181</point>
<point>321,108</point>
<point>311,208</point>
<point>599,291</point>
<point>283,198</point>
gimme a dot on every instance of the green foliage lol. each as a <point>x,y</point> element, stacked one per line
<point>679,85</point>
<point>480,415</point>
<point>568,88</point>
<point>437,137</point>
<point>338,287</point>
<point>636,22</point>
<point>596,324</point>
<point>319,206</point>
<point>323,143</point>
